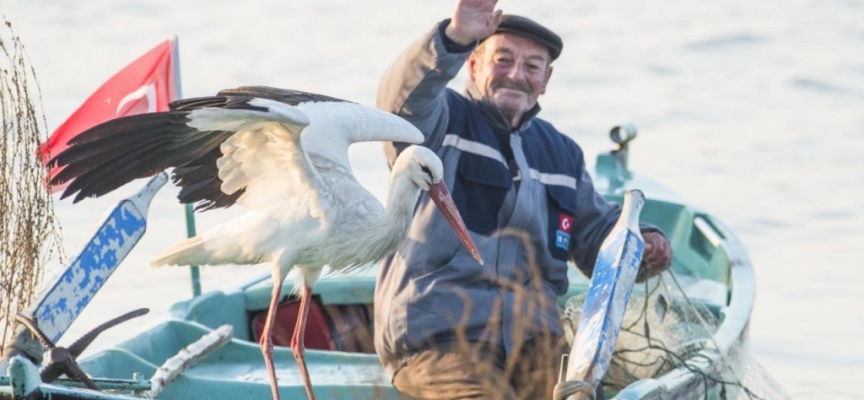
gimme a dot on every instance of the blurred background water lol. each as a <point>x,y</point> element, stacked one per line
<point>752,110</point>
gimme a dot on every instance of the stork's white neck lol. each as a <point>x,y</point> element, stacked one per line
<point>376,233</point>
<point>336,125</point>
<point>399,212</point>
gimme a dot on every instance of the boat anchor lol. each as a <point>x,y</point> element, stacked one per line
<point>61,360</point>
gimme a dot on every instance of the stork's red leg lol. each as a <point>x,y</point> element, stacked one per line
<point>266,341</point>
<point>297,341</point>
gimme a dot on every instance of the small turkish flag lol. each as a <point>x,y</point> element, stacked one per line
<point>145,85</point>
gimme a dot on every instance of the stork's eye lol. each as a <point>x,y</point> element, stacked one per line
<point>427,171</point>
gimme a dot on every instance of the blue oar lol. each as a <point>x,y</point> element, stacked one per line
<point>603,311</point>
<point>59,305</point>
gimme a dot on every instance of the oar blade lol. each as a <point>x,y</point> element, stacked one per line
<point>59,305</point>
<point>611,284</point>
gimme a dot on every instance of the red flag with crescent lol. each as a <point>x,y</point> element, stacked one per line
<point>145,85</point>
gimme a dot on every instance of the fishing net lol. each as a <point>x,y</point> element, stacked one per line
<point>666,332</point>
<point>29,234</point>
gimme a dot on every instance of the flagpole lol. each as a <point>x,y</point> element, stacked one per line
<point>190,216</point>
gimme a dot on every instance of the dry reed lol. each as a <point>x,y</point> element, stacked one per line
<point>29,233</point>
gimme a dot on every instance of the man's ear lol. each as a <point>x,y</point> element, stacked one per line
<point>472,65</point>
<point>546,81</point>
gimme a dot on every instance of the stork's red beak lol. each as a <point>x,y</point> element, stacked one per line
<point>441,196</point>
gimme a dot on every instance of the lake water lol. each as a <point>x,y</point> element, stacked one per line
<point>752,110</point>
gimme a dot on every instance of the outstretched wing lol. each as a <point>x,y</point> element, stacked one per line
<point>336,124</point>
<point>188,137</point>
<point>192,139</point>
<point>199,179</point>
<point>113,153</point>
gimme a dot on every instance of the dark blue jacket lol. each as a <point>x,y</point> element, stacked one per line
<point>526,197</point>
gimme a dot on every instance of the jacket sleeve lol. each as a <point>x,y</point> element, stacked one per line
<point>595,219</point>
<point>413,87</point>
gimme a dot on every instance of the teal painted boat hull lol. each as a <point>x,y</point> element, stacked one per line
<point>709,260</point>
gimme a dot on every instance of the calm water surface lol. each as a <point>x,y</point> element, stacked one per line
<point>753,110</point>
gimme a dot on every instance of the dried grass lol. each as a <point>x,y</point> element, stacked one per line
<point>29,233</point>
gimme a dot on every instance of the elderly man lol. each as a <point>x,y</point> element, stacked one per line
<point>445,326</point>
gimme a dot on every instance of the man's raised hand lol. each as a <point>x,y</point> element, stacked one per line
<point>473,20</point>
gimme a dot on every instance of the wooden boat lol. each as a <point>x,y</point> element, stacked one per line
<point>210,343</point>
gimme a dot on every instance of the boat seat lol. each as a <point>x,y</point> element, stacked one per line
<point>352,327</point>
<point>339,327</point>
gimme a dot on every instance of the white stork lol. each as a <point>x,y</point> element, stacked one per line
<point>284,156</point>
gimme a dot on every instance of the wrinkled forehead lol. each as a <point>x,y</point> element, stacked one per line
<point>515,45</point>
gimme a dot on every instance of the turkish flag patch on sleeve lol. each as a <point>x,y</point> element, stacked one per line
<point>562,235</point>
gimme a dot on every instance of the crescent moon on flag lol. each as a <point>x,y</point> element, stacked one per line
<point>147,90</point>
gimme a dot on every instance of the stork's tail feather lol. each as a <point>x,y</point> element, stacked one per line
<point>188,252</point>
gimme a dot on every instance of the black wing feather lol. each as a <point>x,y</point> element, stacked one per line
<point>94,178</point>
<point>103,142</point>
<point>287,96</point>
<point>200,183</point>
<point>148,159</point>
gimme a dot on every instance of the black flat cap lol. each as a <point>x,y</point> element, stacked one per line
<point>522,26</point>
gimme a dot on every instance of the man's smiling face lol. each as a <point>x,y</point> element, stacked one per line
<point>511,72</point>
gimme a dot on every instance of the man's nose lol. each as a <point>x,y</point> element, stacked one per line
<point>516,72</point>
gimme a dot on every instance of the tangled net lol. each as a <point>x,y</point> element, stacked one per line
<point>664,330</point>
<point>29,234</point>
